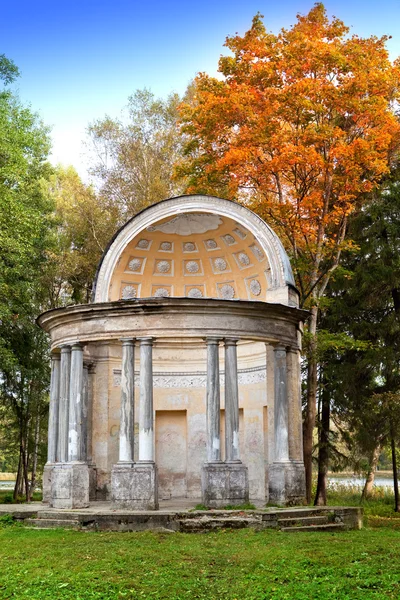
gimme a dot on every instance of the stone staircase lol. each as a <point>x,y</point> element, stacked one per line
<point>54,520</point>
<point>318,519</point>
<point>287,520</point>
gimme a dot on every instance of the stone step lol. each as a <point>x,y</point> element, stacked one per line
<point>326,527</point>
<point>207,524</point>
<point>52,523</point>
<point>60,515</point>
<point>294,513</point>
<point>312,520</point>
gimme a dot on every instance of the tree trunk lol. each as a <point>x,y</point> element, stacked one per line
<point>312,383</point>
<point>25,468</point>
<point>323,453</point>
<point>395,478</point>
<point>35,457</point>
<point>18,479</point>
<point>369,482</point>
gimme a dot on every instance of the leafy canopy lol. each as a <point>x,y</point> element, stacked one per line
<point>299,126</point>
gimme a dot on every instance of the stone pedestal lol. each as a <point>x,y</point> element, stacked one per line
<point>46,482</point>
<point>92,481</point>
<point>287,483</point>
<point>223,484</point>
<point>70,485</point>
<point>135,486</point>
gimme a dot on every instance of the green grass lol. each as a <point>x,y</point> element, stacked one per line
<point>38,564</point>
<point>6,497</point>
<point>244,564</point>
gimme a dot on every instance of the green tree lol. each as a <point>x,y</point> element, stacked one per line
<point>25,238</point>
<point>134,158</point>
<point>84,224</point>
<point>364,305</point>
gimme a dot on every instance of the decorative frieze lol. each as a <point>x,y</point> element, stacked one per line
<point>197,379</point>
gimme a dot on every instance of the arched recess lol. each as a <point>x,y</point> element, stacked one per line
<point>188,214</point>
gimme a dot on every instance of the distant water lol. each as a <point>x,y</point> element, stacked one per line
<point>7,485</point>
<point>360,481</point>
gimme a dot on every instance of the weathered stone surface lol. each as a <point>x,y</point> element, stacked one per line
<point>232,453</point>
<point>101,517</point>
<point>287,483</point>
<point>213,401</point>
<point>70,485</point>
<point>223,484</point>
<point>46,482</point>
<point>92,482</point>
<point>135,486</point>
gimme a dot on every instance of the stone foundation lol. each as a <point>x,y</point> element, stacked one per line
<point>135,486</point>
<point>70,485</point>
<point>92,482</point>
<point>224,484</point>
<point>287,483</point>
<point>46,482</point>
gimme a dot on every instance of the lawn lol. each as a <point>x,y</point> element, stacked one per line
<point>40,564</point>
<point>227,564</point>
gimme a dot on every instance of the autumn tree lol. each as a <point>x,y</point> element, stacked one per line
<point>133,157</point>
<point>299,126</point>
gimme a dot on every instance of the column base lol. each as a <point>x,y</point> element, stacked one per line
<point>70,485</point>
<point>134,486</point>
<point>287,484</point>
<point>223,484</point>
<point>46,482</point>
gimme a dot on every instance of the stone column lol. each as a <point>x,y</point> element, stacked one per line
<point>135,485</point>
<point>232,454</point>
<point>63,416</point>
<point>70,481</point>
<point>281,406</point>
<point>223,483</point>
<point>286,477</point>
<point>146,427</point>
<point>213,408</point>
<point>126,428</point>
<point>91,464</point>
<point>85,400</point>
<point>75,404</point>
<point>52,448</point>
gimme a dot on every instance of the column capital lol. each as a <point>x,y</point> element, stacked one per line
<point>280,348</point>
<point>145,341</point>
<point>128,341</point>
<point>231,341</point>
<point>212,340</point>
<point>65,348</point>
<point>55,356</point>
<point>76,346</point>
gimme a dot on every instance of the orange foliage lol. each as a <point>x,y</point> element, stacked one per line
<point>300,126</point>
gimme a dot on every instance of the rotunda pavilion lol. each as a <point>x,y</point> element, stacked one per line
<point>182,378</point>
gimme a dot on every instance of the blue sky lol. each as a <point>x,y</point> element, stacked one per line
<point>81,60</point>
